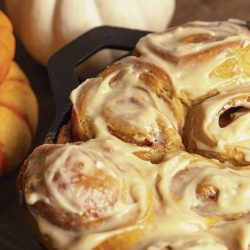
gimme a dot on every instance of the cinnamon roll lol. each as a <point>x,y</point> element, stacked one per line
<point>203,192</point>
<point>219,127</point>
<point>134,101</point>
<point>87,196</point>
<point>200,57</point>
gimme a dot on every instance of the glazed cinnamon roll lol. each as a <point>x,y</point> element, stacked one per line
<point>88,196</point>
<point>134,101</point>
<point>229,235</point>
<point>200,57</point>
<point>219,127</point>
<point>203,192</point>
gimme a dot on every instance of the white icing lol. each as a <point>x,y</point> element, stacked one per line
<point>236,134</point>
<point>193,77</point>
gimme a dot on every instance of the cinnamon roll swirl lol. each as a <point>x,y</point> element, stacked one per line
<point>200,57</point>
<point>88,196</point>
<point>134,101</point>
<point>203,192</point>
<point>219,127</point>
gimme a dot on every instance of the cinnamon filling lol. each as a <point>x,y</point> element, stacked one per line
<point>207,192</point>
<point>197,38</point>
<point>231,115</point>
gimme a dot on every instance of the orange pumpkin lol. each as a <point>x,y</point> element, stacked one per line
<point>18,104</point>
<point>7,45</point>
<point>18,118</point>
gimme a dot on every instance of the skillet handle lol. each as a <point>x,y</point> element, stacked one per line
<point>61,65</point>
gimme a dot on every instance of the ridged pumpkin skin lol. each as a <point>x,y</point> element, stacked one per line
<point>44,26</point>
<point>7,45</point>
<point>18,118</point>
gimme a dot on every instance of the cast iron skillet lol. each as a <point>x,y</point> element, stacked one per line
<point>62,64</point>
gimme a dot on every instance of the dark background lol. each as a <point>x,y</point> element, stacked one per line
<point>14,234</point>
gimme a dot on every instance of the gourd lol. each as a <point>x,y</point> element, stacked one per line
<point>7,45</point>
<point>47,25</point>
<point>18,104</point>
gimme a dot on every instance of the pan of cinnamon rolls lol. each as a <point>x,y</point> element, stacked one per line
<point>154,152</point>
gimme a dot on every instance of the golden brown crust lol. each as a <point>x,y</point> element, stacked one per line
<point>81,123</point>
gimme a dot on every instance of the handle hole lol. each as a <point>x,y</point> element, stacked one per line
<point>96,63</point>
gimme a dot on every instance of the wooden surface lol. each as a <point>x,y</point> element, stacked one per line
<point>14,234</point>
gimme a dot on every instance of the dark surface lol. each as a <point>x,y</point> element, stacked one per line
<point>14,234</point>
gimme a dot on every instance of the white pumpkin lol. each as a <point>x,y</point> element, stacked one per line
<point>44,26</point>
